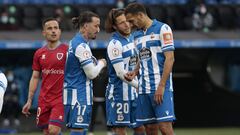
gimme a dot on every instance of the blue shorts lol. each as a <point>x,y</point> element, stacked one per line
<point>78,116</point>
<point>121,113</point>
<point>150,112</point>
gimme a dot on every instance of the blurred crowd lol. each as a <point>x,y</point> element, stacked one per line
<point>179,14</point>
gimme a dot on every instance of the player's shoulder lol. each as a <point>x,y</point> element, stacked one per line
<point>41,50</point>
<point>114,42</point>
<point>164,27</point>
<point>64,46</point>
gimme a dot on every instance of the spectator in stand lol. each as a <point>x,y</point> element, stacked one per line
<point>202,19</point>
<point>65,23</point>
<point>11,99</point>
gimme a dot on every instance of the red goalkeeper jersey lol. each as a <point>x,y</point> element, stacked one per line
<point>50,63</point>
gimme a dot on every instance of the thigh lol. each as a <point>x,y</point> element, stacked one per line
<point>145,109</point>
<point>78,116</point>
<point>57,114</point>
<point>43,115</point>
<point>165,111</point>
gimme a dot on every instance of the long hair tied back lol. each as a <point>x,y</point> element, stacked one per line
<point>75,21</point>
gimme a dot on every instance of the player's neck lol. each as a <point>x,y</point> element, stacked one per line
<point>52,45</point>
<point>148,23</point>
<point>84,34</point>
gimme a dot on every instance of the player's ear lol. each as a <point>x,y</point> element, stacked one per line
<point>140,14</point>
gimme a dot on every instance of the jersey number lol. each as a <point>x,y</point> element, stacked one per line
<point>122,108</point>
<point>81,109</point>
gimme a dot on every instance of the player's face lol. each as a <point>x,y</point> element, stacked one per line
<point>134,20</point>
<point>122,25</point>
<point>93,28</point>
<point>51,31</point>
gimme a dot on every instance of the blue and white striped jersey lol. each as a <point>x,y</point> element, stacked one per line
<point>120,49</point>
<point>77,87</point>
<point>3,81</point>
<point>150,45</point>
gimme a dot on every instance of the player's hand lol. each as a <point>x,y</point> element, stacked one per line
<point>158,96</point>
<point>104,62</point>
<point>129,76</point>
<point>25,109</point>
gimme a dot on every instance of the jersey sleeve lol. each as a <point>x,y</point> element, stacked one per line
<point>114,51</point>
<point>166,37</point>
<point>36,65</point>
<point>3,81</point>
<point>84,54</point>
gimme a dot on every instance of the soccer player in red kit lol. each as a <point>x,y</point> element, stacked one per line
<point>48,63</point>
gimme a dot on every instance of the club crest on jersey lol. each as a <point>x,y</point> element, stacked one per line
<point>152,35</point>
<point>43,56</point>
<point>145,54</point>
<point>59,56</point>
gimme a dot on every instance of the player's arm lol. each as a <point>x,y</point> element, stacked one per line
<point>121,73</point>
<point>114,52</point>
<point>3,87</point>
<point>32,89</point>
<point>167,68</point>
<point>84,55</point>
<point>167,46</point>
<point>92,70</point>
<point>132,74</point>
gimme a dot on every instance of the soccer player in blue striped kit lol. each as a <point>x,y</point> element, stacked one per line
<point>81,68</point>
<point>3,87</point>
<point>155,48</point>
<point>121,95</point>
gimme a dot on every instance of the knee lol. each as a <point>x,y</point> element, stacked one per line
<point>151,127</point>
<point>140,129</point>
<point>54,130</point>
<point>166,128</point>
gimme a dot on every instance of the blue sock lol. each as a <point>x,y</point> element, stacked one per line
<point>77,133</point>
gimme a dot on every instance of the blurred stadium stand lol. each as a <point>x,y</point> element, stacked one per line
<point>27,14</point>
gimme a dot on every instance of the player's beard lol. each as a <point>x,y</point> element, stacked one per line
<point>92,36</point>
<point>124,33</point>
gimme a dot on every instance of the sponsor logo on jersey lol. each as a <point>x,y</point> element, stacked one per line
<point>167,38</point>
<point>52,71</point>
<point>59,56</point>
<point>145,54</point>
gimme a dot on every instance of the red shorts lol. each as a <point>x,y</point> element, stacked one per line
<point>50,113</point>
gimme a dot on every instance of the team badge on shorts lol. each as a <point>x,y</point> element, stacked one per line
<point>59,56</point>
<point>79,119</point>
<point>120,117</point>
